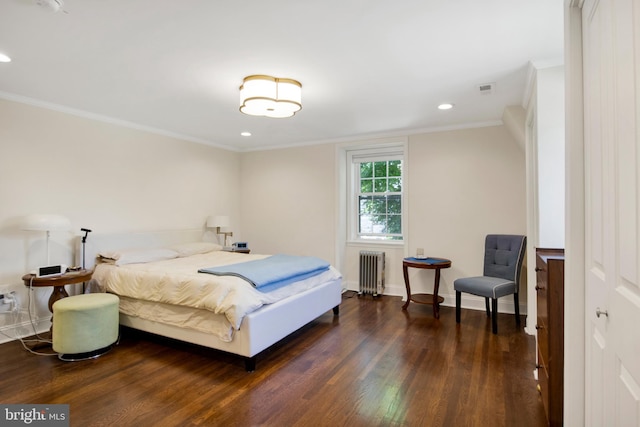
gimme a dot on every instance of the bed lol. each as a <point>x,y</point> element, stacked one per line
<point>240,319</point>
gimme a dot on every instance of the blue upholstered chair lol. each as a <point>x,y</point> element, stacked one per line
<point>503,257</point>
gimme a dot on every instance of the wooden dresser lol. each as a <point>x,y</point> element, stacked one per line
<point>550,328</point>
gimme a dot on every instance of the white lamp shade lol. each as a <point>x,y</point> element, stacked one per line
<point>46,222</point>
<point>217,221</point>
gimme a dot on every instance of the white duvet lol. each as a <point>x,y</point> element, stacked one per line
<point>177,281</point>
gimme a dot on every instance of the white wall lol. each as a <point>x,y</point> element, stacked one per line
<point>103,177</point>
<point>545,149</point>
<point>550,151</point>
<point>462,185</point>
<point>288,200</point>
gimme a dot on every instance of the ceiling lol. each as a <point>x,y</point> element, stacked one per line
<point>367,67</point>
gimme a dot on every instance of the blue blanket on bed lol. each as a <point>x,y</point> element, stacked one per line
<point>272,272</point>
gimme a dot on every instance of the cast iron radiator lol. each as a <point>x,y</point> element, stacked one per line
<point>371,273</point>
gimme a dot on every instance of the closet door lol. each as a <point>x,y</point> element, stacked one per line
<point>611,71</point>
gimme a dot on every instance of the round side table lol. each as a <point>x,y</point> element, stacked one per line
<point>58,283</point>
<point>430,264</point>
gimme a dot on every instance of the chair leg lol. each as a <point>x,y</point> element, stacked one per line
<point>516,302</point>
<point>458,298</point>
<point>486,304</point>
<point>494,315</point>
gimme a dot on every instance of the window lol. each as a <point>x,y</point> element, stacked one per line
<point>376,202</point>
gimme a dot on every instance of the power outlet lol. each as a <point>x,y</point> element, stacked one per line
<point>7,302</point>
<point>5,289</point>
<point>8,298</point>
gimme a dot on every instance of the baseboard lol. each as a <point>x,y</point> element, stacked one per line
<point>470,302</point>
<point>391,290</point>
<point>23,329</point>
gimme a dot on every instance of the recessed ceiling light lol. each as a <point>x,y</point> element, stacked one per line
<point>4,58</point>
<point>245,133</point>
<point>445,106</point>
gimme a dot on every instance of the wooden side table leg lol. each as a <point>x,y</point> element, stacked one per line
<point>436,303</point>
<point>406,284</point>
<point>58,293</point>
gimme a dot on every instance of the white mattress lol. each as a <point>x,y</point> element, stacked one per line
<point>176,282</point>
<point>182,317</point>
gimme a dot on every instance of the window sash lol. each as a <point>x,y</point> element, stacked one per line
<point>383,221</point>
<point>379,151</point>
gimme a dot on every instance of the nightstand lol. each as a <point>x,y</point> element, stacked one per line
<point>430,264</point>
<point>58,283</point>
<point>240,251</point>
<point>59,292</point>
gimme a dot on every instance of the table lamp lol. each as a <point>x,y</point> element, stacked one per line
<point>217,221</point>
<point>48,223</point>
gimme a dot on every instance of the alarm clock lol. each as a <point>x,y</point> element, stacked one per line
<point>51,270</point>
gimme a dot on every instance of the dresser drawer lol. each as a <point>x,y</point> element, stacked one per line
<point>543,383</point>
<point>542,288</point>
<point>550,331</point>
<point>543,342</point>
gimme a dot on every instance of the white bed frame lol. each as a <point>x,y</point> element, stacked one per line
<point>259,329</point>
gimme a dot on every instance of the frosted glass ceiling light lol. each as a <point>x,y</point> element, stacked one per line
<point>4,58</point>
<point>270,96</point>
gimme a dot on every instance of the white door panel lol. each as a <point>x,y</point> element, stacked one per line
<point>628,399</point>
<point>611,68</point>
<point>624,323</point>
<point>595,378</point>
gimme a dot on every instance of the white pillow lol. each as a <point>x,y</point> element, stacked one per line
<point>135,256</point>
<point>188,249</point>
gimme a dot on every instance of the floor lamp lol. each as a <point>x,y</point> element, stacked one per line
<point>47,223</point>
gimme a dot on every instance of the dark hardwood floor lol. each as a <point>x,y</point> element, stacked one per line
<point>374,365</point>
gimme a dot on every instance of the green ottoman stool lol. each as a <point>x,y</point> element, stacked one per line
<point>85,326</point>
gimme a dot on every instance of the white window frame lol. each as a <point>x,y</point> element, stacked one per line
<point>378,152</point>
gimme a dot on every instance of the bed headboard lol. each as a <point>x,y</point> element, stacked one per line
<point>97,242</point>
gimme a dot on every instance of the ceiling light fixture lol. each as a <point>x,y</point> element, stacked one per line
<point>245,133</point>
<point>445,106</point>
<point>4,58</point>
<point>270,96</point>
<point>51,5</point>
